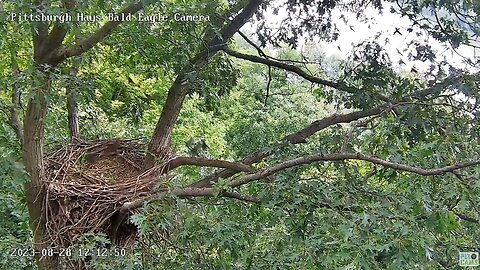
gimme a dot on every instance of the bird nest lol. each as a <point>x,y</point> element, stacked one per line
<point>87,184</point>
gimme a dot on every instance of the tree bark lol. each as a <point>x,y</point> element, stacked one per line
<point>160,143</point>
<point>33,160</point>
<point>49,50</point>
<point>14,118</point>
<point>72,108</point>
<point>159,146</point>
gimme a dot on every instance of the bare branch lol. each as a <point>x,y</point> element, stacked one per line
<point>263,54</point>
<point>259,50</point>
<point>269,82</point>
<point>346,156</point>
<point>188,192</point>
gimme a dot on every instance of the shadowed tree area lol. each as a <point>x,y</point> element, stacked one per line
<point>159,135</point>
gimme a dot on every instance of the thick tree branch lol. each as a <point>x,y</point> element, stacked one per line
<point>39,31</point>
<point>301,135</point>
<point>346,156</point>
<point>57,34</point>
<point>294,138</point>
<point>159,146</point>
<point>89,42</point>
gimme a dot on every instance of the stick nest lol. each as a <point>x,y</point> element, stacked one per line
<point>88,182</point>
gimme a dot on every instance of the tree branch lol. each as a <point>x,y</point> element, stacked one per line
<point>89,42</point>
<point>39,31</point>
<point>188,192</point>
<point>302,135</point>
<point>269,82</point>
<point>14,118</point>
<point>287,67</point>
<point>242,180</point>
<point>160,142</point>
<point>296,70</point>
<point>294,138</point>
<point>57,34</point>
<point>72,106</point>
<point>346,156</point>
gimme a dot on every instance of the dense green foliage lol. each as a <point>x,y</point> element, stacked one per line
<point>342,214</point>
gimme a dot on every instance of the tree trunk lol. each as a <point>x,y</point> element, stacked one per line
<point>33,160</point>
<point>159,146</point>
<point>72,108</point>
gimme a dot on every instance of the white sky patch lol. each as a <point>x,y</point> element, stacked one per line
<point>394,43</point>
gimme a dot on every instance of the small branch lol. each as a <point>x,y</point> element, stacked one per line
<point>268,84</point>
<point>187,192</point>
<point>212,192</point>
<point>241,197</point>
<point>466,218</point>
<point>259,50</point>
<point>264,55</point>
<point>345,156</point>
<point>287,67</point>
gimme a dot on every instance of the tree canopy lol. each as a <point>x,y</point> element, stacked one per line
<point>260,149</point>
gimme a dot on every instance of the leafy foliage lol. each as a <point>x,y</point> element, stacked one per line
<point>339,214</point>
